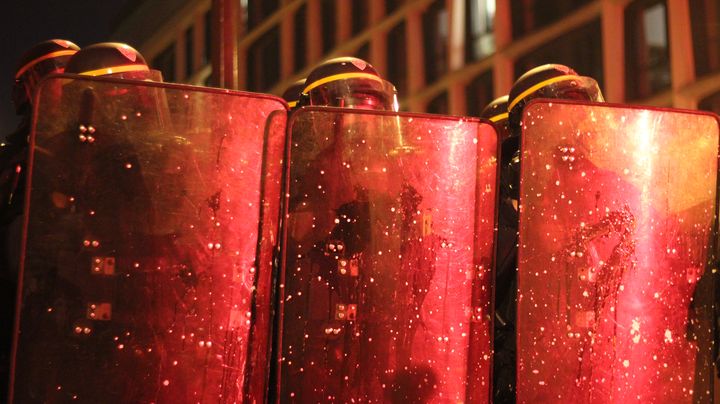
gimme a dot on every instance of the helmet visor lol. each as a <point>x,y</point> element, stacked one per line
<point>569,87</point>
<point>363,93</point>
<point>577,88</point>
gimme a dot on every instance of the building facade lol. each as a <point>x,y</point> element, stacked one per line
<point>444,56</point>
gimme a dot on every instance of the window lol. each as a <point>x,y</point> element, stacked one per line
<point>360,15</point>
<point>646,50</point>
<point>328,25</point>
<point>264,61</point>
<point>189,52</point>
<point>705,16</point>
<point>244,13</point>
<point>207,52</point>
<point>435,37</point>
<point>364,52</point>
<point>392,5</point>
<point>258,10</point>
<point>397,58</point>
<point>479,37</point>
<point>580,49</point>
<point>530,15</point>
<point>300,38</point>
<point>479,93</point>
<point>711,103</point>
<point>165,62</point>
<point>438,105</point>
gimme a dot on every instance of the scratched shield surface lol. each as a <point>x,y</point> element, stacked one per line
<point>152,218</point>
<point>387,258</point>
<point>617,220</point>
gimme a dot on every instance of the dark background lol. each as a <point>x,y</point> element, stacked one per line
<point>27,22</point>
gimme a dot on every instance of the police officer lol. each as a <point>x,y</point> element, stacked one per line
<point>80,297</point>
<point>46,58</point>
<point>43,59</point>
<point>506,255</point>
<point>547,81</point>
<point>358,311</point>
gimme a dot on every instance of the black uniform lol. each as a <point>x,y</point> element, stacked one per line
<point>504,361</point>
<point>13,158</point>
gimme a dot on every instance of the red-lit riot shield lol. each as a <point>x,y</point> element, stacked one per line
<point>387,258</point>
<point>151,222</point>
<point>617,224</point>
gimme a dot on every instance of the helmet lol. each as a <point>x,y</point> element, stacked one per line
<point>111,59</point>
<point>348,82</point>
<point>549,81</point>
<point>116,60</point>
<point>292,93</point>
<point>41,60</point>
<point>497,113</point>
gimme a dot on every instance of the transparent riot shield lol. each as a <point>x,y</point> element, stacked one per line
<point>151,223</point>
<point>616,254</point>
<point>387,258</point>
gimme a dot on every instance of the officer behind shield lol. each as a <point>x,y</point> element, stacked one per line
<point>93,193</point>
<point>357,311</point>
<point>506,254</point>
<point>329,230</point>
<point>553,81</point>
<point>43,59</point>
<point>46,58</point>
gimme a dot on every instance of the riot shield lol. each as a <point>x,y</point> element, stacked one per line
<point>616,254</point>
<point>151,222</point>
<point>387,258</point>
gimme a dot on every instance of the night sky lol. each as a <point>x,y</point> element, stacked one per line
<point>27,22</point>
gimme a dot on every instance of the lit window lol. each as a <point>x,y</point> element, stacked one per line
<point>479,37</point>
<point>646,54</point>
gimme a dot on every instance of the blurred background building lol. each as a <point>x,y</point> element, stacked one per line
<point>444,56</point>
